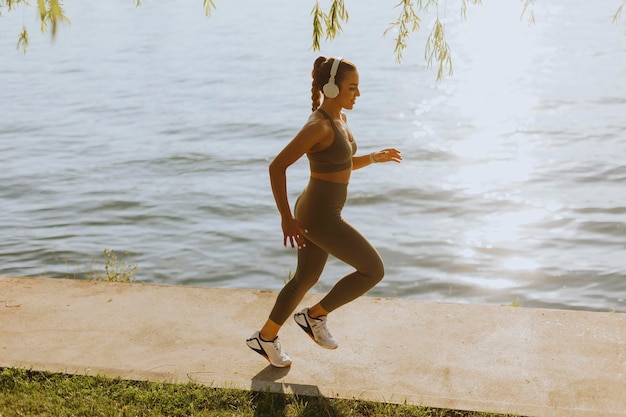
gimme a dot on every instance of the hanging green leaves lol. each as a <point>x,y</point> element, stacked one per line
<point>618,13</point>
<point>528,6</point>
<point>464,6</point>
<point>407,22</point>
<point>327,25</point>
<point>51,14</point>
<point>22,40</point>
<point>437,49</point>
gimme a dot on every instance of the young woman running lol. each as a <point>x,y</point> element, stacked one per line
<point>317,228</point>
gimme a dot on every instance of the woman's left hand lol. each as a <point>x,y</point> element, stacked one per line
<point>388,155</point>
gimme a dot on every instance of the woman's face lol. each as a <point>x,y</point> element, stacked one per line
<point>349,89</point>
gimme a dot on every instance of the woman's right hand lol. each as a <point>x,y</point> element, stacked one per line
<point>294,232</point>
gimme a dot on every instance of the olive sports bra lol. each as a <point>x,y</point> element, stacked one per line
<point>337,157</point>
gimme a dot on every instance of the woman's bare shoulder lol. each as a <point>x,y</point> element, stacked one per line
<point>318,125</point>
<point>319,129</point>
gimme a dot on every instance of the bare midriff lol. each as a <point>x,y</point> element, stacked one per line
<point>341,177</point>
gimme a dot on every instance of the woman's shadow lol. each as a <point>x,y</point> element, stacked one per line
<point>268,381</point>
<point>274,396</point>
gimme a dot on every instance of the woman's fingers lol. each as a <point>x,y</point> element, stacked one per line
<point>389,154</point>
<point>294,233</point>
<point>300,239</point>
<point>295,240</point>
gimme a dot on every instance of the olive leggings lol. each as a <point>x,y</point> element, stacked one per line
<point>318,209</point>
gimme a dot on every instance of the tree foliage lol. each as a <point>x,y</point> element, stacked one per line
<point>50,15</point>
<point>327,23</point>
<point>618,13</point>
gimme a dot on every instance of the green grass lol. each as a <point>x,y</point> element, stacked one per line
<point>30,393</point>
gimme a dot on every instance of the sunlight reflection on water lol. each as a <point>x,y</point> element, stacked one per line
<point>495,100</point>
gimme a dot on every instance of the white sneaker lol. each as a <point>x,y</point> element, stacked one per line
<point>272,350</point>
<point>316,329</point>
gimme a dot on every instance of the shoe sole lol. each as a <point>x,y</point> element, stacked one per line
<point>309,331</point>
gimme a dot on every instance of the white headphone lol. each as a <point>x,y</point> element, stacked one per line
<point>331,90</point>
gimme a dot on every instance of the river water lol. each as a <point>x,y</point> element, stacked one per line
<point>149,130</point>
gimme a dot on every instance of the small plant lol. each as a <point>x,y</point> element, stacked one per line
<point>290,275</point>
<point>117,270</point>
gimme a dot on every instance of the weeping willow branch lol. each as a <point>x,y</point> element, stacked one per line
<point>335,16</point>
<point>10,4</point>
<point>528,6</point>
<point>327,25</point>
<point>318,30</point>
<point>618,13</point>
<point>437,49</point>
<point>407,22</point>
<point>22,40</point>
<point>51,14</point>
<point>464,7</point>
<point>208,5</point>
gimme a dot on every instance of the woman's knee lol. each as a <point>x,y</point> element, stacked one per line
<point>302,282</point>
<point>380,271</point>
<point>375,270</point>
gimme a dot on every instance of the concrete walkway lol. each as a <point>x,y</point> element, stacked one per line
<point>529,362</point>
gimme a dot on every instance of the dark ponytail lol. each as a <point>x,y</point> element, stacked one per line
<point>316,89</point>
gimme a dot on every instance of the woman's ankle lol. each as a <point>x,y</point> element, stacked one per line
<point>269,331</point>
<point>317,311</point>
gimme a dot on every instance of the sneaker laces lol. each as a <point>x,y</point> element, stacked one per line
<point>278,348</point>
<point>319,326</point>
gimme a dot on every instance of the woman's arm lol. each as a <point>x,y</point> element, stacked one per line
<point>311,135</point>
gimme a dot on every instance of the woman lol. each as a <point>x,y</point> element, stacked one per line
<point>317,228</point>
